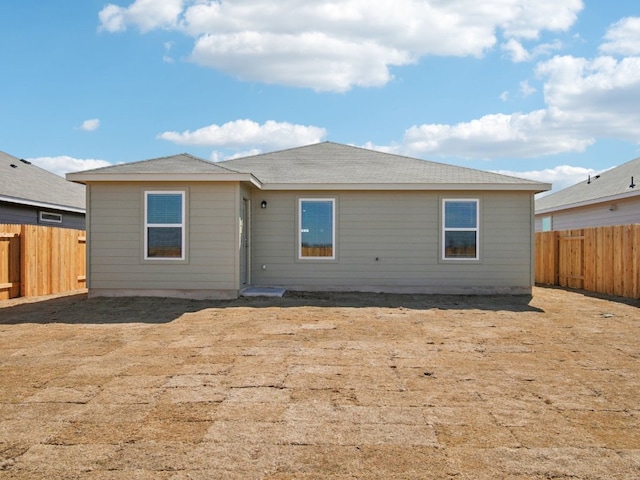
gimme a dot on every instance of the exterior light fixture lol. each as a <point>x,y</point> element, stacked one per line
<point>263,204</point>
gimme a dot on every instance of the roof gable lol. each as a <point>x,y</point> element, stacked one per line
<point>610,184</point>
<point>24,183</point>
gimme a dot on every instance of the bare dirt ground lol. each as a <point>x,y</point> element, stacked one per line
<point>320,386</point>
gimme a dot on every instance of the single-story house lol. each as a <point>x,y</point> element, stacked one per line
<point>30,195</point>
<point>610,198</point>
<point>326,217</point>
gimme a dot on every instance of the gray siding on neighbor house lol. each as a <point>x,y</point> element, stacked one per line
<point>115,239</point>
<point>616,212</point>
<point>13,213</point>
<point>391,241</point>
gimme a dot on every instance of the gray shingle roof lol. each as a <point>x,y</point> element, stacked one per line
<point>321,165</point>
<point>602,187</point>
<point>333,163</point>
<point>28,184</point>
<point>181,163</point>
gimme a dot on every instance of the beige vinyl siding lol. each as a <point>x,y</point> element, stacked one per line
<point>116,239</point>
<point>402,230</point>
<point>625,212</point>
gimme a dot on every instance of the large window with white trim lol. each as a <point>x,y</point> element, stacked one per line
<point>460,240</point>
<point>317,233</point>
<point>164,229</point>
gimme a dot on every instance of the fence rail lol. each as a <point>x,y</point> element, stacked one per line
<point>599,259</point>
<point>36,260</point>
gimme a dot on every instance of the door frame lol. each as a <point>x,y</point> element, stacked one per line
<point>245,236</point>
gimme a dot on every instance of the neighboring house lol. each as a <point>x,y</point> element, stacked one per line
<point>610,198</point>
<point>33,196</point>
<point>322,217</point>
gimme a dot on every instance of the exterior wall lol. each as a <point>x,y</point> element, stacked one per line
<point>617,212</point>
<point>14,213</point>
<point>390,241</point>
<point>115,242</point>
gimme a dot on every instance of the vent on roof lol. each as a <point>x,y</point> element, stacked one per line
<point>632,185</point>
<point>13,165</point>
<point>25,161</point>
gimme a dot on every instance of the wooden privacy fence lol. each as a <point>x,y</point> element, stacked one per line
<point>599,259</point>
<point>37,260</point>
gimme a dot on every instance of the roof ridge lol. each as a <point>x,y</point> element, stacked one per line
<point>255,155</point>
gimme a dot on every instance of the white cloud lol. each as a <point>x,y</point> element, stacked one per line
<point>560,177</point>
<point>63,164</point>
<point>312,59</point>
<point>504,96</point>
<point>167,48</point>
<point>586,99</point>
<point>516,52</point>
<point>217,156</point>
<point>498,135</point>
<point>145,14</point>
<point>90,125</point>
<point>598,98</point>
<point>526,89</point>
<point>623,37</point>
<point>249,134</point>
<point>334,45</point>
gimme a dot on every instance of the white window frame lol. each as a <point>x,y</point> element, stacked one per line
<point>333,229</point>
<point>466,229</point>
<point>166,225</point>
<point>547,220</point>
<point>49,220</point>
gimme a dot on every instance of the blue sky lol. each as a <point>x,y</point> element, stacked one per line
<point>545,89</point>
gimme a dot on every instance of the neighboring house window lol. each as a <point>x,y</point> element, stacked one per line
<point>460,229</point>
<point>164,225</point>
<point>546,224</point>
<point>48,217</point>
<point>317,228</point>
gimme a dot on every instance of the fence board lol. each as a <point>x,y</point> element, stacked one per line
<point>37,260</point>
<point>9,261</point>
<point>546,258</point>
<point>600,259</point>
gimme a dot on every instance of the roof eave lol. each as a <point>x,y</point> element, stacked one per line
<point>33,203</point>
<point>591,201</point>
<point>87,177</point>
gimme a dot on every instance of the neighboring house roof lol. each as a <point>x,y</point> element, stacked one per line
<point>333,165</point>
<point>609,185</point>
<point>319,166</point>
<point>24,183</point>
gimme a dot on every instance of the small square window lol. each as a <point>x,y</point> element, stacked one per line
<point>546,224</point>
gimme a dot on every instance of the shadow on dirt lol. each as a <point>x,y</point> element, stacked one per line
<point>78,309</point>
<point>634,302</point>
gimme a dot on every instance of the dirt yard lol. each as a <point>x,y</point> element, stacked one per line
<point>320,386</point>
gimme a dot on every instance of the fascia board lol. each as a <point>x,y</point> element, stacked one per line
<point>81,177</point>
<point>536,188</point>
